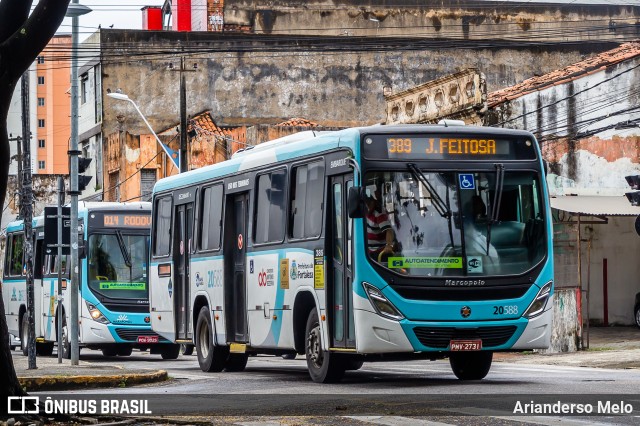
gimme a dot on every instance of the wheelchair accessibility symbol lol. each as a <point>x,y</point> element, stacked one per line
<point>467,181</point>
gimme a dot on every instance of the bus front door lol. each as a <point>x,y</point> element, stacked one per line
<point>235,249</point>
<point>341,284</point>
<point>182,246</point>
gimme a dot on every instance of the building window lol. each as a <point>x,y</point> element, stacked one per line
<point>41,59</point>
<point>40,101</point>
<point>114,186</point>
<point>41,164</point>
<point>41,122</point>
<point>84,87</point>
<point>40,79</point>
<point>41,143</point>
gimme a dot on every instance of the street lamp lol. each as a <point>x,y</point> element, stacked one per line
<point>74,10</point>
<point>170,153</point>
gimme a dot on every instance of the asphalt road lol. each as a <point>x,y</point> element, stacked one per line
<point>395,393</point>
<point>276,375</point>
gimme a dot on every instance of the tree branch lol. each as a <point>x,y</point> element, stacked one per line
<point>26,43</point>
<point>13,14</point>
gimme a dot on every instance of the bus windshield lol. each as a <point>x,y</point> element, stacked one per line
<point>450,223</point>
<point>118,265</point>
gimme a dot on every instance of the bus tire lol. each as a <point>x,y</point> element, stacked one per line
<point>170,352</point>
<point>236,362</point>
<point>186,349</point>
<point>471,365</point>
<point>211,358</point>
<point>44,349</point>
<point>109,351</point>
<point>353,363</point>
<point>124,351</point>
<point>24,335</point>
<point>66,344</point>
<point>324,366</point>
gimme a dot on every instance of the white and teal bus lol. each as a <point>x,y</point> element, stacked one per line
<point>367,244</point>
<point>114,293</point>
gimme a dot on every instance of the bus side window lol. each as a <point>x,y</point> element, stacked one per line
<point>16,260</point>
<point>270,207</point>
<point>162,227</point>
<point>211,218</point>
<point>307,195</point>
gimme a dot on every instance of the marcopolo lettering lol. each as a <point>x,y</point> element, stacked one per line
<point>464,283</point>
<point>338,163</point>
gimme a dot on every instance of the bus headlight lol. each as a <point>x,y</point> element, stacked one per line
<point>96,315</point>
<point>381,304</point>
<point>540,302</point>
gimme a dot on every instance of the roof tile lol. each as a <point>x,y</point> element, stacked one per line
<point>572,72</point>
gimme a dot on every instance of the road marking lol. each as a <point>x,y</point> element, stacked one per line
<point>540,420</point>
<point>396,421</point>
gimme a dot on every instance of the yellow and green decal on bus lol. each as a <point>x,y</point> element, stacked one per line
<point>112,285</point>
<point>425,262</point>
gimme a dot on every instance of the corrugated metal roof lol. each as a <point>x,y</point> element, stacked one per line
<point>572,72</point>
<point>595,205</point>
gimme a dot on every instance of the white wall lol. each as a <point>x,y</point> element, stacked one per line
<point>618,242</point>
<point>198,15</point>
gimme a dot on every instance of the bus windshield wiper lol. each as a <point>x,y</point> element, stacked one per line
<point>440,206</point>
<point>124,250</point>
<point>494,213</point>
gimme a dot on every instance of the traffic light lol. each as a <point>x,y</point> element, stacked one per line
<point>634,183</point>
<point>83,181</point>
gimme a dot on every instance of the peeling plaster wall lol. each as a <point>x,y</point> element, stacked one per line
<point>334,89</point>
<point>453,19</point>
<point>578,121</point>
<point>565,334</point>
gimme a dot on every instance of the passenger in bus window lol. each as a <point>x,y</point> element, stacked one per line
<point>379,233</point>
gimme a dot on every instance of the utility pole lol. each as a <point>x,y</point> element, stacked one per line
<point>183,115</point>
<point>26,211</point>
<point>73,171</point>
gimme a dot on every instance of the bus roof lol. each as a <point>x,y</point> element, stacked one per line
<point>84,207</point>
<point>309,143</point>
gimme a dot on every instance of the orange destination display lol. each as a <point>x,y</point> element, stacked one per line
<point>447,148</point>
<point>120,220</point>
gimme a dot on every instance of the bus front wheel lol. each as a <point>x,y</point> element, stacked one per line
<point>324,366</point>
<point>471,365</point>
<point>211,358</point>
<point>24,335</point>
<point>170,352</point>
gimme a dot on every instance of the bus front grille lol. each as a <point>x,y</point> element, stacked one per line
<point>115,307</point>
<point>515,291</point>
<point>131,334</point>
<point>439,337</point>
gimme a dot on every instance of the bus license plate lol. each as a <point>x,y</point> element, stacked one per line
<point>147,339</point>
<point>465,345</point>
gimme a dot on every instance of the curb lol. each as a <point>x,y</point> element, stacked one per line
<point>31,384</point>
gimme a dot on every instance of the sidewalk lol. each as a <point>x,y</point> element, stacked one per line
<point>50,375</point>
<point>609,347</point>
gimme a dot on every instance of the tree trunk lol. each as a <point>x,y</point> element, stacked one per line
<point>22,38</point>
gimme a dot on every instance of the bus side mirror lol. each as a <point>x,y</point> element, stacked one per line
<point>82,250</point>
<point>355,202</point>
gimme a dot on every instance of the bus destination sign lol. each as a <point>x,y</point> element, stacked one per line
<point>121,220</point>
<point>405,147</point>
